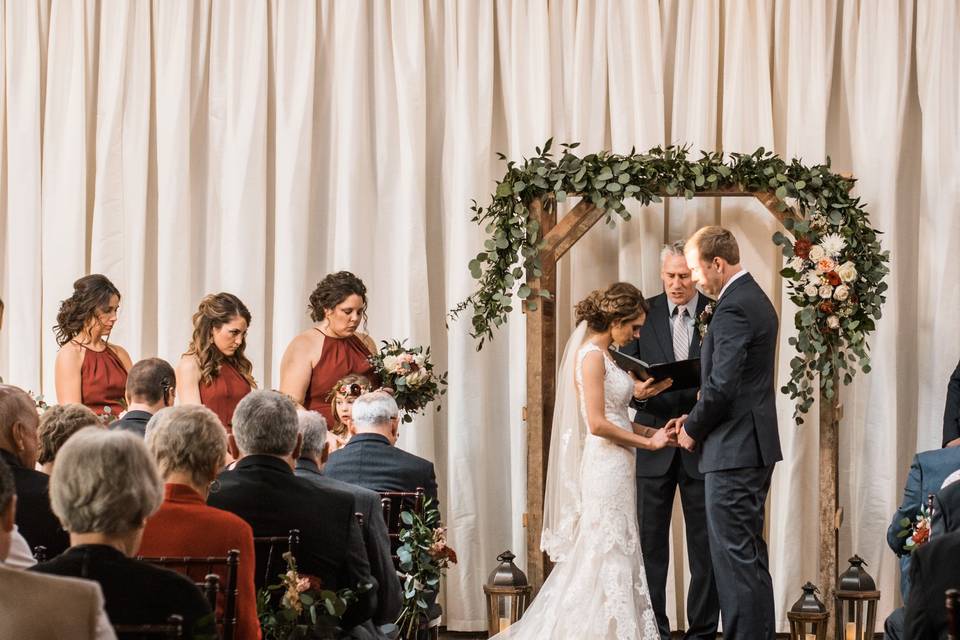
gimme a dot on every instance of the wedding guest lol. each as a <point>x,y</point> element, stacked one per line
<point>951,411</point>
<point>333,348</point>
<point>313,455</point>
<point>89,369</point>
<point>19,445</point>
<point>370,460</point>
<point>103,489</point>
<point>214,371</point>
<point>946,509</point>
<point>151,386</point>
<point>39,607</point>
<point>932,572</point>
<point>345,391</point>
<point>263,490</point>
<point>189,446</point>
<point>58,423</point>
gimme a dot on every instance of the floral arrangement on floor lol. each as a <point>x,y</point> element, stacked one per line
<point>424,557</point>
<point>305,610</point>
<point>409,373</point>
<point>917,531</point>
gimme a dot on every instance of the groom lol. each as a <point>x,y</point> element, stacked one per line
<point>734,422</point>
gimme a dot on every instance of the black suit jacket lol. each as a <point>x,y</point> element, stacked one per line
<point>35,518</point>
<point>264,491</point>
<point>134,592</point>
<point>735,419</point>
<point>134,422</point>
<point>946,511</point>
<point>951,411</point>
<point>375,537</point>
<point>655,346</point>
<point>933,570</point>
<point>369,460</point>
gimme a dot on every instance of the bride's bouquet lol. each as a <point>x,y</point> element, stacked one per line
<point>409,374</point>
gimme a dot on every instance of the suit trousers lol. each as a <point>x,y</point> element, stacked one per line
<point>654,510</point>
<point>735,501</point>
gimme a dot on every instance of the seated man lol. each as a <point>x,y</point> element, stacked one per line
<point>313,455</point>
<point>263,490</point>
<point>932,572</point>
<point>946,509</point>
<point>951,411</point>
<point>151,386</point>
<point>19,446</point>
<point>26,597</point>
<point>370,460</point>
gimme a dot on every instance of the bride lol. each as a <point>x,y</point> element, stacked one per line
<point>598,588</point>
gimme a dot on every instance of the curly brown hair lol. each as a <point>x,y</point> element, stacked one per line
<point>216,310</point>
<point>58,423</point>
<point>91,293</point>
<point>616,303</point>
<point>364,386</point>
<point>334,289</point>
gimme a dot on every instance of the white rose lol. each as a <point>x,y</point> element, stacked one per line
<point>811,291</point>
<point>813,278</point>
<point>833,322</point>
<point>796,264</point>
<point>419,360</point>
<point>390,363</point>
<point>847,272</point>
<point>826,291</point>
<point>841,293</point>
<point>817,253</point>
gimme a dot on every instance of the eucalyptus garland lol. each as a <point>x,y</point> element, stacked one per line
<point>835,267</point>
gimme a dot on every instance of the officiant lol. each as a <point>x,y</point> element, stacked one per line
<point>671,333</point>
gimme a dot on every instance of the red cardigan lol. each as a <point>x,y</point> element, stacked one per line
<point>186,526</point>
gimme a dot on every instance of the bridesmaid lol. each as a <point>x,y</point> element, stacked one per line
<point>345,391</point>
<point>333,348</point>
<point>89,369</point>
<point>214,371</point>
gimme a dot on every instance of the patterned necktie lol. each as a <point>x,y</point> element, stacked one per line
<point>681,334</point>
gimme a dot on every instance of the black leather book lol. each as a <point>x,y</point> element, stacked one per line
<point>684,373</point>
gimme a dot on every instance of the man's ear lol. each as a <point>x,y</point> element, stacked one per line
<point>325,452</point>
<point>9,515</point>
<point>232,447</point>
<point>297,449</point>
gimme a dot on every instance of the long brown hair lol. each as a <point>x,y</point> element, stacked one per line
<point>90,294</point>
<point>216,310</point>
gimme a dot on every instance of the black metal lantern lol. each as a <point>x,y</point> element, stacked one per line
<point>856,602</point>
<point>808,616</point>
<point>508,594</point>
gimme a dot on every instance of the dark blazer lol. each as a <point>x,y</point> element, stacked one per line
<point>951,411</point>
<point>735,420</point>
<point>35,518</point>
<point>375,537</point>
<point>932,572</point>
<point>264,491</point>
<point>946,511</point>
<point>134,422</point>
<point>655,346</point>
<point>369,460</point>
<point>927,473</point>
<point>134,592</point>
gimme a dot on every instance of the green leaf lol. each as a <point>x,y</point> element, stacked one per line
<point>523,292</point>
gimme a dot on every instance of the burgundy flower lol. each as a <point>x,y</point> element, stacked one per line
<point>801,248</point>
<point>826,307</point>
<point>833,278</point>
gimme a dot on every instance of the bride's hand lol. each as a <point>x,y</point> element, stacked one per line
<point>648,388</point>
<point>660,439</point>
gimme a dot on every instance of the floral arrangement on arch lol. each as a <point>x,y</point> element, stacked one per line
<point>409,373</point>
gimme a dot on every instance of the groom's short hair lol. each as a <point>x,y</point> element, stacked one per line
<point>715,242</point>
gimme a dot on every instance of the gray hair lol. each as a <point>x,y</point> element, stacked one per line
<point>374,409</point>
<point>265,422</point>
<point>189,439</point>
<point>313,426</point>
<point>672,249</point>
<point>104,482</point>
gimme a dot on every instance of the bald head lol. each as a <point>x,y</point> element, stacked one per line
<point>18,425</point>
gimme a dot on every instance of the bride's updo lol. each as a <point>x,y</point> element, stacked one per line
<point>618,302</point>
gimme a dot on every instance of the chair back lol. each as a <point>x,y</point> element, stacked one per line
<point>172,629</point>
<point>393,504</point>
<point>269,550</point>
<point>40,553</point>
<point>953,614</point>
<point>216,571</point>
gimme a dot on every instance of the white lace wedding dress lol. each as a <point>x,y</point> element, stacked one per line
<point>599,589</point>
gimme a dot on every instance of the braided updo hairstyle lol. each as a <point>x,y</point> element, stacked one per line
<point>334,289</point>
<point>91,293</point>
<point>618,302</point>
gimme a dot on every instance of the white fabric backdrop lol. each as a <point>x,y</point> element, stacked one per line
<point>185,146</point>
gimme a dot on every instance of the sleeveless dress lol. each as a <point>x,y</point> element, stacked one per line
<point>340,357</point>
<point>224,393</point>
<point>600,591</point>
<point>103,381</point>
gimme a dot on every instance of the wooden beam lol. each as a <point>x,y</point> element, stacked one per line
<point>571,228</point>
<point>830,514</point>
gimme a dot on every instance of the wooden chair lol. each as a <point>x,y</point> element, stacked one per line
<point>223,568</point>
<point>953,614</point>
<point>291,540</point>
<point>172,629</point>
<point>393,504</point>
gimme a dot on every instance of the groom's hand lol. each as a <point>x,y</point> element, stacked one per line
<point>685,440</point>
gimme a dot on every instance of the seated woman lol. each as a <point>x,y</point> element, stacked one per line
<point>333,348</point>
<point>89,369</point>
<point>57,424</point>
<point>214,371</point>
<point>189,447</point>
<point>347,389</point>
<point>103,488</point>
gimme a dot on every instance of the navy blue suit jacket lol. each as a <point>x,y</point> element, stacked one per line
<point>735,420</point>
<point>951,411</point>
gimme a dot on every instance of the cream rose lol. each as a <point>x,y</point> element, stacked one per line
<point>841,293</point>
<point>833,322</point>
<point>817,253</point>
<point>847,272</point>
<point>826,291</point>
<point>811,291</point>
<point>390,363</point>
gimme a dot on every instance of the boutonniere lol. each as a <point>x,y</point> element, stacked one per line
<point>703,320</point>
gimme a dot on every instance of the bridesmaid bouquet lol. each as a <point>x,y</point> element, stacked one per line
<point>409,374</point>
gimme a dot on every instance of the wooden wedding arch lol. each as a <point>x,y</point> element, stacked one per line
<point>541,330</point>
